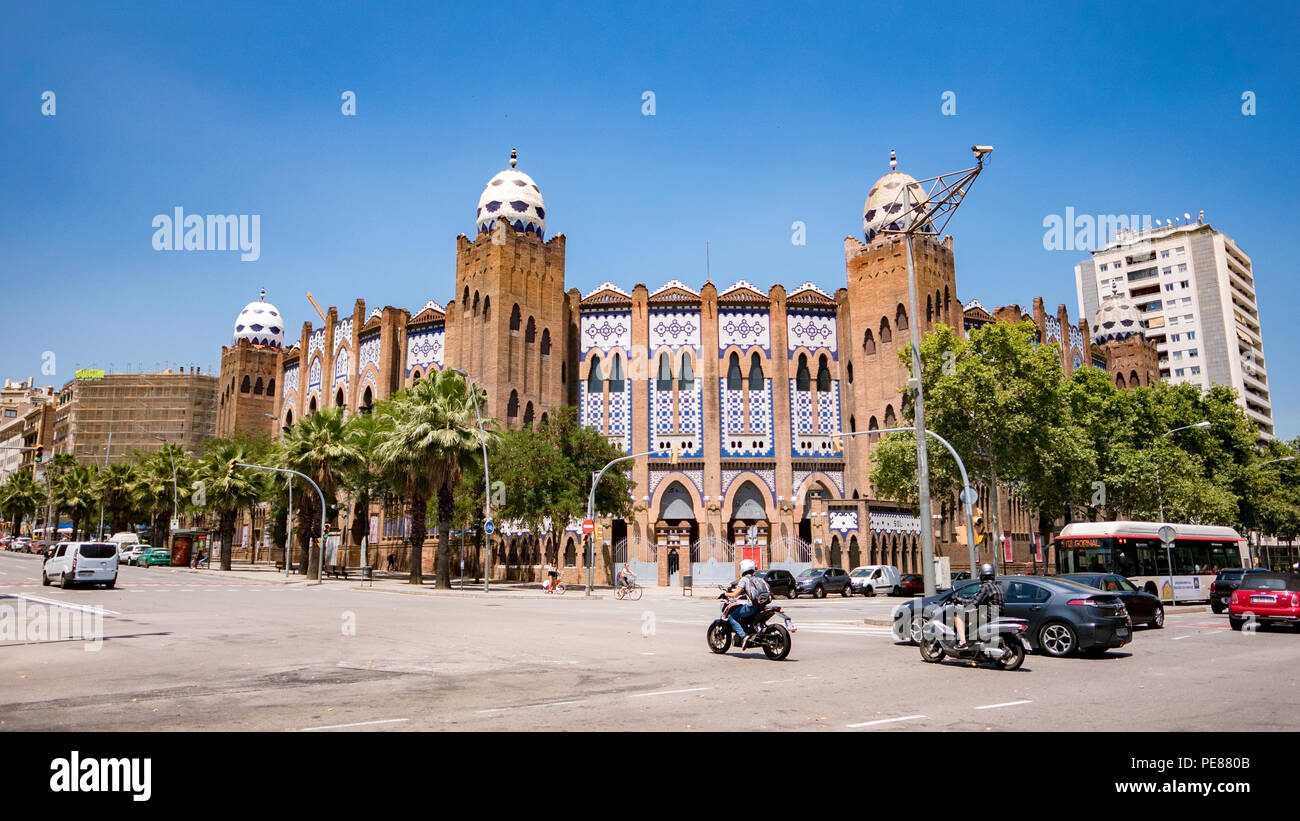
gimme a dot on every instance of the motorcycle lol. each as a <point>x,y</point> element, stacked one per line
<point>773,638</point>
<point>1000,640</point>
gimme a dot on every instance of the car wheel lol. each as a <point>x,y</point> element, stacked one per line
<point>45,580</point>
<point>1158,620</point>
<point>819,593</point>
<point>846,591</point>
<point>64,584</point>
<point>1215,607</point>
<point>790,593</point>
<point>1057,639</point>
<point>108,585</point>
<point>1235,622</point>
<point>868,591</point>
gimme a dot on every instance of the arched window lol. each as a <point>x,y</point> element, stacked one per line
<point>487,307</point>
<point>890,419</point>
<point>885,335</point>
<point>872,424</point>
<point>1119,381</point>
<point>338,398</point>
<point>528,415</point>
<point>257,387</point>
<point>929,309</point>
<point>464,303</point>
<point>546,342</point>
<point>515,319</point>
<point>564,373</point>
<point>733,373</point>
<point>665,382</point>
<point>543,419</point>
<point>947,298</point>
<point>900,318</point>
<point>869,344</point>
<point>512,407</point>
<point>802,379</point>
<point>311,406</point>
<point>476,302</point>
<point>596,378</point>
<point>246,385</point>
<point>686,377</point>
<point>849,366</point>
<point>823,375</point>
<point>1133,380</point>
<point>288,419</point>
<point>270,388</point>
<point>367,401</point>
<point>530,335</point>
<point>616,374</point>
<point>853,424</point>
<point>755,373</point>
<point>938,306</point>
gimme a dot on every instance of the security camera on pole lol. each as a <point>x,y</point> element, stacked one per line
<point>929,214</point>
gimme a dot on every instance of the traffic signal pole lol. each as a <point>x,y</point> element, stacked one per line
<point>320,565</point>
<point>591,507</point>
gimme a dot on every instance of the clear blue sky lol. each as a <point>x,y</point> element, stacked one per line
<point>766,114</point>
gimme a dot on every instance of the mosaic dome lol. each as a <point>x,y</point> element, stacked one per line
<point>261,324</point>
<point>1118,318</point>
<point>884,206</point>
<point>512,194</point>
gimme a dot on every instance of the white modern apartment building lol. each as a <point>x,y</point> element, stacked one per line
<point>1196,290</point>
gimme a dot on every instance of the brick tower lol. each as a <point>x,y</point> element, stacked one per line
<point>250,366</point>
<point>509,323</point>
<point>874,315</point>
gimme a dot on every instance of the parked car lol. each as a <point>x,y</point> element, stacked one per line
<point>822,580</point>
<point>781,581</point>
<point>155,555</point>
<point>81,563</point>
<point>1064,616</point>
<point>1144,608</point>
<point>910,584</point>
<point>133,553</point>
<point>1268,598</point>
<point>1227,580</point>
<point>874,578</point>
<point>7,542</point>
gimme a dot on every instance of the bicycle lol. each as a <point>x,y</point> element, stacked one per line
<point>628,590</point>
<point>557,588</point>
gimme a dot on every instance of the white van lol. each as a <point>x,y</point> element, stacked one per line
<point>81,563</point>
<point>874,579</point>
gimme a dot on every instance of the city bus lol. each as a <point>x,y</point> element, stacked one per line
<point>1133,550</point>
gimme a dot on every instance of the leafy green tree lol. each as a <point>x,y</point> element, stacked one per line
<point>153,488</point>
<point>78,496</point>
<point>21,497</point>
<point>429,435</point>
<point>115,486</point>
<point>226,495</point>
<point>318,445</point>
<point>363,480</point>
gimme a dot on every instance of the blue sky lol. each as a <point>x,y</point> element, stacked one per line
<point>765,114</point>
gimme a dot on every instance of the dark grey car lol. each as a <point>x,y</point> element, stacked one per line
<point>819,581</point>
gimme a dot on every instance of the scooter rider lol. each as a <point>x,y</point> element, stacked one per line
<point>989,596</point>
<point>748,587</point>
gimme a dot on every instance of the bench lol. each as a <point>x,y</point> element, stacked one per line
<point>341,571</point>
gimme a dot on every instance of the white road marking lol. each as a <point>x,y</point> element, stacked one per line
<point>1180,638</point>
<point>529,706</point>
<point>56,603</point>
<point>356,724</point>
<point>1005,704</point>
<point>884,721</point>
<point>669,692</point>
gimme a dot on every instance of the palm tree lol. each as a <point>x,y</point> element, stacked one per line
<point>226,494</point>
<point>76,494</point>
<point>429,433</point>
<point>318,446</point>
<point>59,468</point>
<point>154,491</point>
<point>364,481</point>
<point>115,489</point>
<point>21,497</point>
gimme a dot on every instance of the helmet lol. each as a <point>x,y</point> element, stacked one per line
<point>747,566</point>
<point>987,571</point>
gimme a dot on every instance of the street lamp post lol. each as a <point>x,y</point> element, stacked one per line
<point>940,203</point>
<point>967,492</point>
<point>320,565</point>
<point>288,527</point>
<point>487,483</point>
<point>591,509</point>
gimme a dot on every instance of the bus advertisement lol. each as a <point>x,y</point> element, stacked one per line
<point>1134,550</point>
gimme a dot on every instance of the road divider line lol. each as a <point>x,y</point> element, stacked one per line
<point>530,706</point>
<point>356,724</point>
<point>884,721</point>
<point>1005,704</point>
<point>670,692</point>
<point>56,603</point>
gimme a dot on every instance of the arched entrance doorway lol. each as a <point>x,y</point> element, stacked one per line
<point>749,529</point>
<point>855,553</point>
<point>675,531</point>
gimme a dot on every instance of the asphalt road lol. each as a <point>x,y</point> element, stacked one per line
<point>187,650</point>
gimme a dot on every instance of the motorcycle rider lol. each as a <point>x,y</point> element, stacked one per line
<point>746,586</point>
<point>989,596</point>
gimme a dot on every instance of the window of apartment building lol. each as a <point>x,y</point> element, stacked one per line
<point>1188,317</point>
<point>1191,334</point>
<point>1103,266</point>
<point>1180,250</point>
<point>1166,270</point>
<point>1169,286</point>
<point>1176,338</point>
<point>1193,353</point>
<point>1178,354</point>
<point>1178,372</point>
<point>1182,268</point>
<point>1164,255</point>
<point>10,413</point>
<point>1196,371</point>
<point>1186,283</point>
<point>1173,320</point>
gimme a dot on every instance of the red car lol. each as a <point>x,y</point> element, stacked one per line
<point>910,584</point>
<point>1265,598</point>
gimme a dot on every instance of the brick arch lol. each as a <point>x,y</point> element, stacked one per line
<point>737,483</point>
<point>818,477</point>
<point>668,481</point>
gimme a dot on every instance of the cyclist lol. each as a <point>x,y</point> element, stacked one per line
<point>626,577</point>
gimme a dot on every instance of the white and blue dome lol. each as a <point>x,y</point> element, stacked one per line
<point>1118,318</point>
<point>883,210</point>
<point>261,324</point>
<point>512,194</point>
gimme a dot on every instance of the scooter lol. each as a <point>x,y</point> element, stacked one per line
<point>773,638</point>
<point>1000,640</point>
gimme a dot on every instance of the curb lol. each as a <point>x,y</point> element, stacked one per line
<point>469,594</point>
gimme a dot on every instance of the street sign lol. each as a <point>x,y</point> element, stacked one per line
<point>969,496</point>
<point>588,526</point>
<point>176,524</point>
<point>1166,534</point>
<point>489,527</point>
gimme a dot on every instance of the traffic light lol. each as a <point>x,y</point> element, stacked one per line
<point>837,444</point>
<point>40,452</point>
<point>977,516</point>
<point>230,474</point>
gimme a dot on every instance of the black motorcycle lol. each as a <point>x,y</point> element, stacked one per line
<point>773,638</point>
<point>999,640</point>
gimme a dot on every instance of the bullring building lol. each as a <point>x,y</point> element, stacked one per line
<point>748,383</point>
